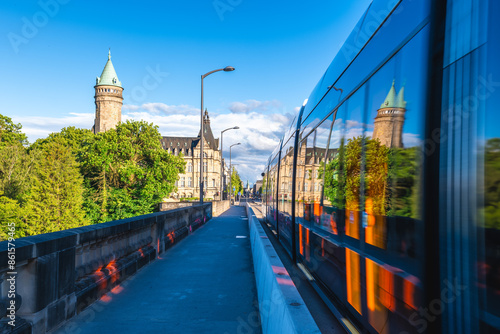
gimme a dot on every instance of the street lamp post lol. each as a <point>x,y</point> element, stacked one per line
<point>221,164</point>
<point>225,69</point>
<point>231,173</point>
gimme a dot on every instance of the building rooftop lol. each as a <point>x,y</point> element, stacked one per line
<point>108,76</point>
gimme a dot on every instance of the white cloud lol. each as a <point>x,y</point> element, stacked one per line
<point>163,108</point>
<point>40,127</point>
<point>411,140</point>
<point>259,132</point>
<point>253,105</point>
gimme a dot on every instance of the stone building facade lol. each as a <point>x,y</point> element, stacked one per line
<point>388,125</point>
<point>108,99</point>
<point>188,185</point>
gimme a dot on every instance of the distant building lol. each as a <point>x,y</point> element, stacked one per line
<point>108,99</point>
<point>189,182</point>
<point>257,186</point>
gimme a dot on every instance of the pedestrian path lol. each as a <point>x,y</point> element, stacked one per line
<point>204,284</point>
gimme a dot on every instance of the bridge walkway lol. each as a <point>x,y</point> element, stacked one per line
<point>204,284</point>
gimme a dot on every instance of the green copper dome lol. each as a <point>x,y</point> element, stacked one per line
<point>393,101</point>
<point>108,76</point>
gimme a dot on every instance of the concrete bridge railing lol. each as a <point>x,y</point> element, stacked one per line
<point>56,275</point>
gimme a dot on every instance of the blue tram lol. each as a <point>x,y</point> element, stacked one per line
<point>386,187</point>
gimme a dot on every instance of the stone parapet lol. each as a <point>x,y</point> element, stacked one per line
<point>59,274</point>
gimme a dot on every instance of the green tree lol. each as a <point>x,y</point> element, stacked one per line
<point>15,168</point>
<point>390,178</point>
<point>492,183</point>
<point>402,179</point>
<point>344,173</point>
<point>55,197</point>
<point>72,137</point>
<point>10,133</point>
<point>236,182</point>
<point>11,214</point>
<point>14,160</point>
<point>15,165</point>
<point>127,171</point>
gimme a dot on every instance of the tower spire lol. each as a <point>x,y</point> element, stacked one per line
<point>109,54</point>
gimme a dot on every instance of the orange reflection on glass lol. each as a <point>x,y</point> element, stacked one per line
<point>352,223</point>
<point>377,312</point>
<point>318,209</point>
<point>386,283</point>
<point>409,289</point>
<point>353,279</point>
<point>308,246</point>
<point>376,227</point>
<point>333,225</point>
<point>301,244</point>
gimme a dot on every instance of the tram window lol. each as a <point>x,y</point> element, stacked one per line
<point>333,192</point>
<point>488,262</point>
<point>351,150</point>
<point>300,194</point>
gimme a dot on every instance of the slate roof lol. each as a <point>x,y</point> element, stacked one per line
<point>192,142</point>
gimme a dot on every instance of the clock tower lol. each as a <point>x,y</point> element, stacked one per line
<point>108,99</point>
<point>388,127</point>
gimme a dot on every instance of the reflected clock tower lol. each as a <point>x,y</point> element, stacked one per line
<point>388,125</point>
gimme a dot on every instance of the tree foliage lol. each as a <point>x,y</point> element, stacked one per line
<point>492,184</point>
<point>10,133</point>
<point>74,177</point>
<point>55,197</point>
<point>127,171</point>
<point>364,169</point>
<point>236,182</point>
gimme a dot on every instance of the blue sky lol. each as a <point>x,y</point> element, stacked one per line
<point>52,51</point>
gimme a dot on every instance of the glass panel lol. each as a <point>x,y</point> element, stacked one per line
<point>353,283</point>
<point>352,151</point>
<point>271,195</point>
<point>334,180</point>
<point>285,193</point>
<point>300,184</point>
<point>487,92</point>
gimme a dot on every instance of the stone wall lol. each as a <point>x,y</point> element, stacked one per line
<point>219,207</point>
<point>59,274</point>
<point>108,103</point>
<point>166,206</point>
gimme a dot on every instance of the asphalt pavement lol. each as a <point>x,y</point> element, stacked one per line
<point>204,284</point>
